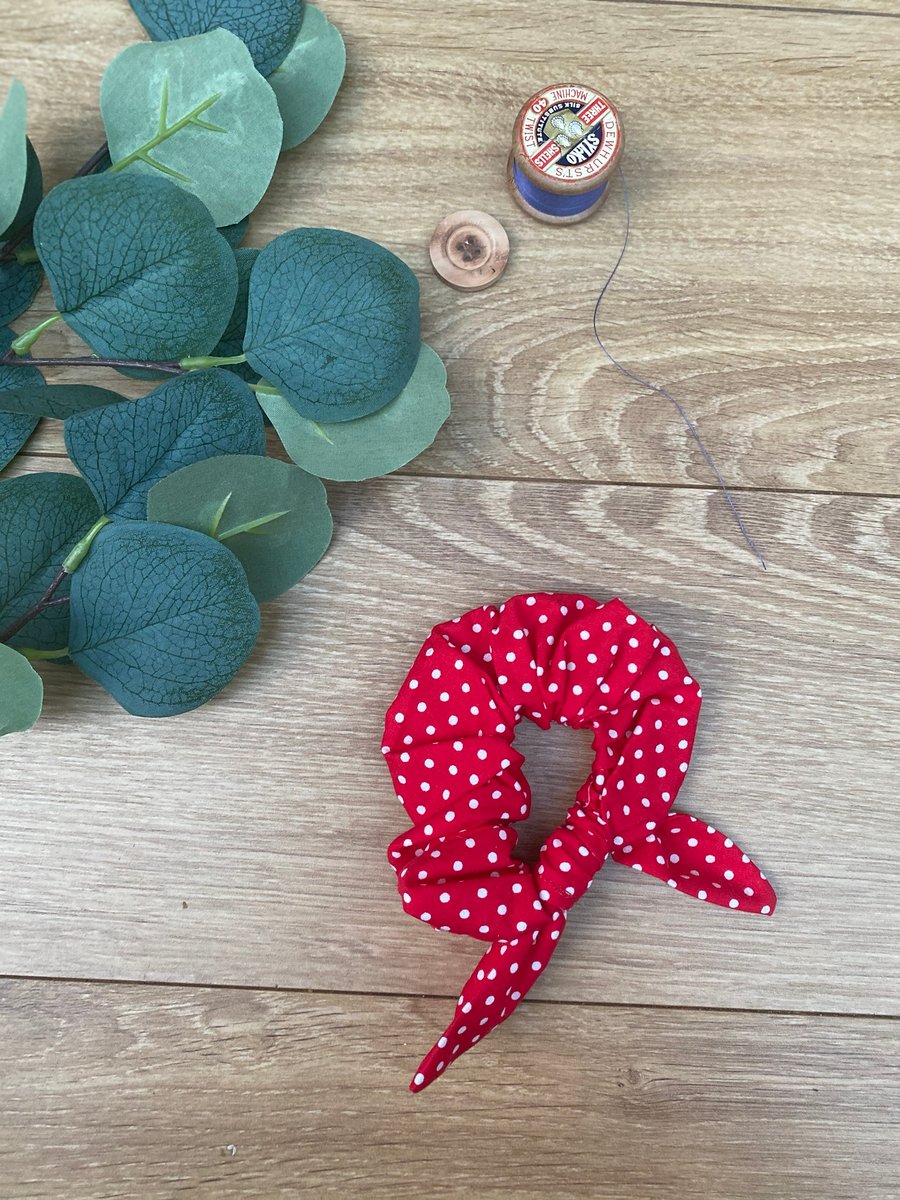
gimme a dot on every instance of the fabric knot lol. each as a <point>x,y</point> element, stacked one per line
<point>571,857</point>
<point>448,745</point>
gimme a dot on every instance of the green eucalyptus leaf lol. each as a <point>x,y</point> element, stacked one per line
<point>42,516</point>
<point>235,234</point>
<point>161,617</point>
<point>15,430</point>
<point>31,195</point>
<point>19,283</point>
<point>232,340</point>
<point>197,111</point>
<point>306,83</point>
<point>15,427</point>
<point>58,400</point>
<point>13,153</point>
<point>333,322</point>
<point>375,445</point>
<point>124,449</point>
<point>21,692</point>
<point>271,514</point>
<point>137,267</point>
<point>267,27</point>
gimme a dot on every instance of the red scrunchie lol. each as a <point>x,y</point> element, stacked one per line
<point>448,745</point>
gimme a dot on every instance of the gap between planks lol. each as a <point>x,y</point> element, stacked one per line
<point>575,481</point>
<point>378,994</point>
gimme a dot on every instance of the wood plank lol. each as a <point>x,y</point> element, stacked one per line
<point>756,285</point>
<point>156,1092</point>
<point>245,843</point>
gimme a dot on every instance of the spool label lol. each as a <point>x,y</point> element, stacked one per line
<point>569,133</point>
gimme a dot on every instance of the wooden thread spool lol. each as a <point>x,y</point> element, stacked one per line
<point>567,141</point>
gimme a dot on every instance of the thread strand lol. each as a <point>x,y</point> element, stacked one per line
<point>664,392</point>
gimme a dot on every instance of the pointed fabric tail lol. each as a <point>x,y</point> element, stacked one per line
<point>698,859</point>
<point>504,975</point>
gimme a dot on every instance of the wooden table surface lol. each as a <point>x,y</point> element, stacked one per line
<point>208,986</point>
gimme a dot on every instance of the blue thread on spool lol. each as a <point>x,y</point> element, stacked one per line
<point>567,141</point>
<point>551,203</point>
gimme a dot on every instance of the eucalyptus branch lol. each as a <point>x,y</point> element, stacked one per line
<point>167,367</point>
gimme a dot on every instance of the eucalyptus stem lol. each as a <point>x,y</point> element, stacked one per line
<point>34,655</point>
<point>166,367</point>
<point>45,601</point>
<point>23,343</point>
<point>71,563</point>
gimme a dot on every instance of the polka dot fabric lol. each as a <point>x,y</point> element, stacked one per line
<point>448,744</point>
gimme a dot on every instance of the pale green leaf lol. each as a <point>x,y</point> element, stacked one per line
<point>198,112</point>
<point>21,692</point>
<point>271,514</point>
<point>13,153</point>
<point>369,446</point>
<point>307,82</point>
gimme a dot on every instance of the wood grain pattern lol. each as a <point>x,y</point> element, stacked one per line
<point>758,284</point>
<point>112,1092</point>
<point>269,810</point>
<point>244,844</point>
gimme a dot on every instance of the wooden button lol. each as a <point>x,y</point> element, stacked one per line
<point>469,250</point>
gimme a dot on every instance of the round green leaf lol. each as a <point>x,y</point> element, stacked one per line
<point>21,692</point>
<point>197,111</point>
<point>271,514</point>
<point>267,27</point>
<point>161,617</point>
<point>59,400</point>
<point>369,446</point>
<point>42,516</point>
<point>124,449</point>
<point>13,153</point>
<point>232,340</point>
<point>333,322</point>
<point>307,82</point>
<point>15,427</point>
<point>137,267</point>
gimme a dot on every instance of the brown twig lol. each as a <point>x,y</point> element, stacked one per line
<point>46,601</point>
<point>167,367</point>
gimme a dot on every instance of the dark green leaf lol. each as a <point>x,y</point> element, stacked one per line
<point>21,692</point>
<point>31,196</point>
<point>19,283</point>
<point>162,617</point>
<point>15,427</point>
<point>235,234</point>
<point>124,449</point>
<point>232,340</point>
<point>333,322</point>
<point>286,509</point>
<point>369,446</point>
<point>137,267</point>
<point>42,516</point>
<point>267,27</point>
<point>198,112</point>
<point>59,400</point>
<point>13,153</point>
<point>307,82</point>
